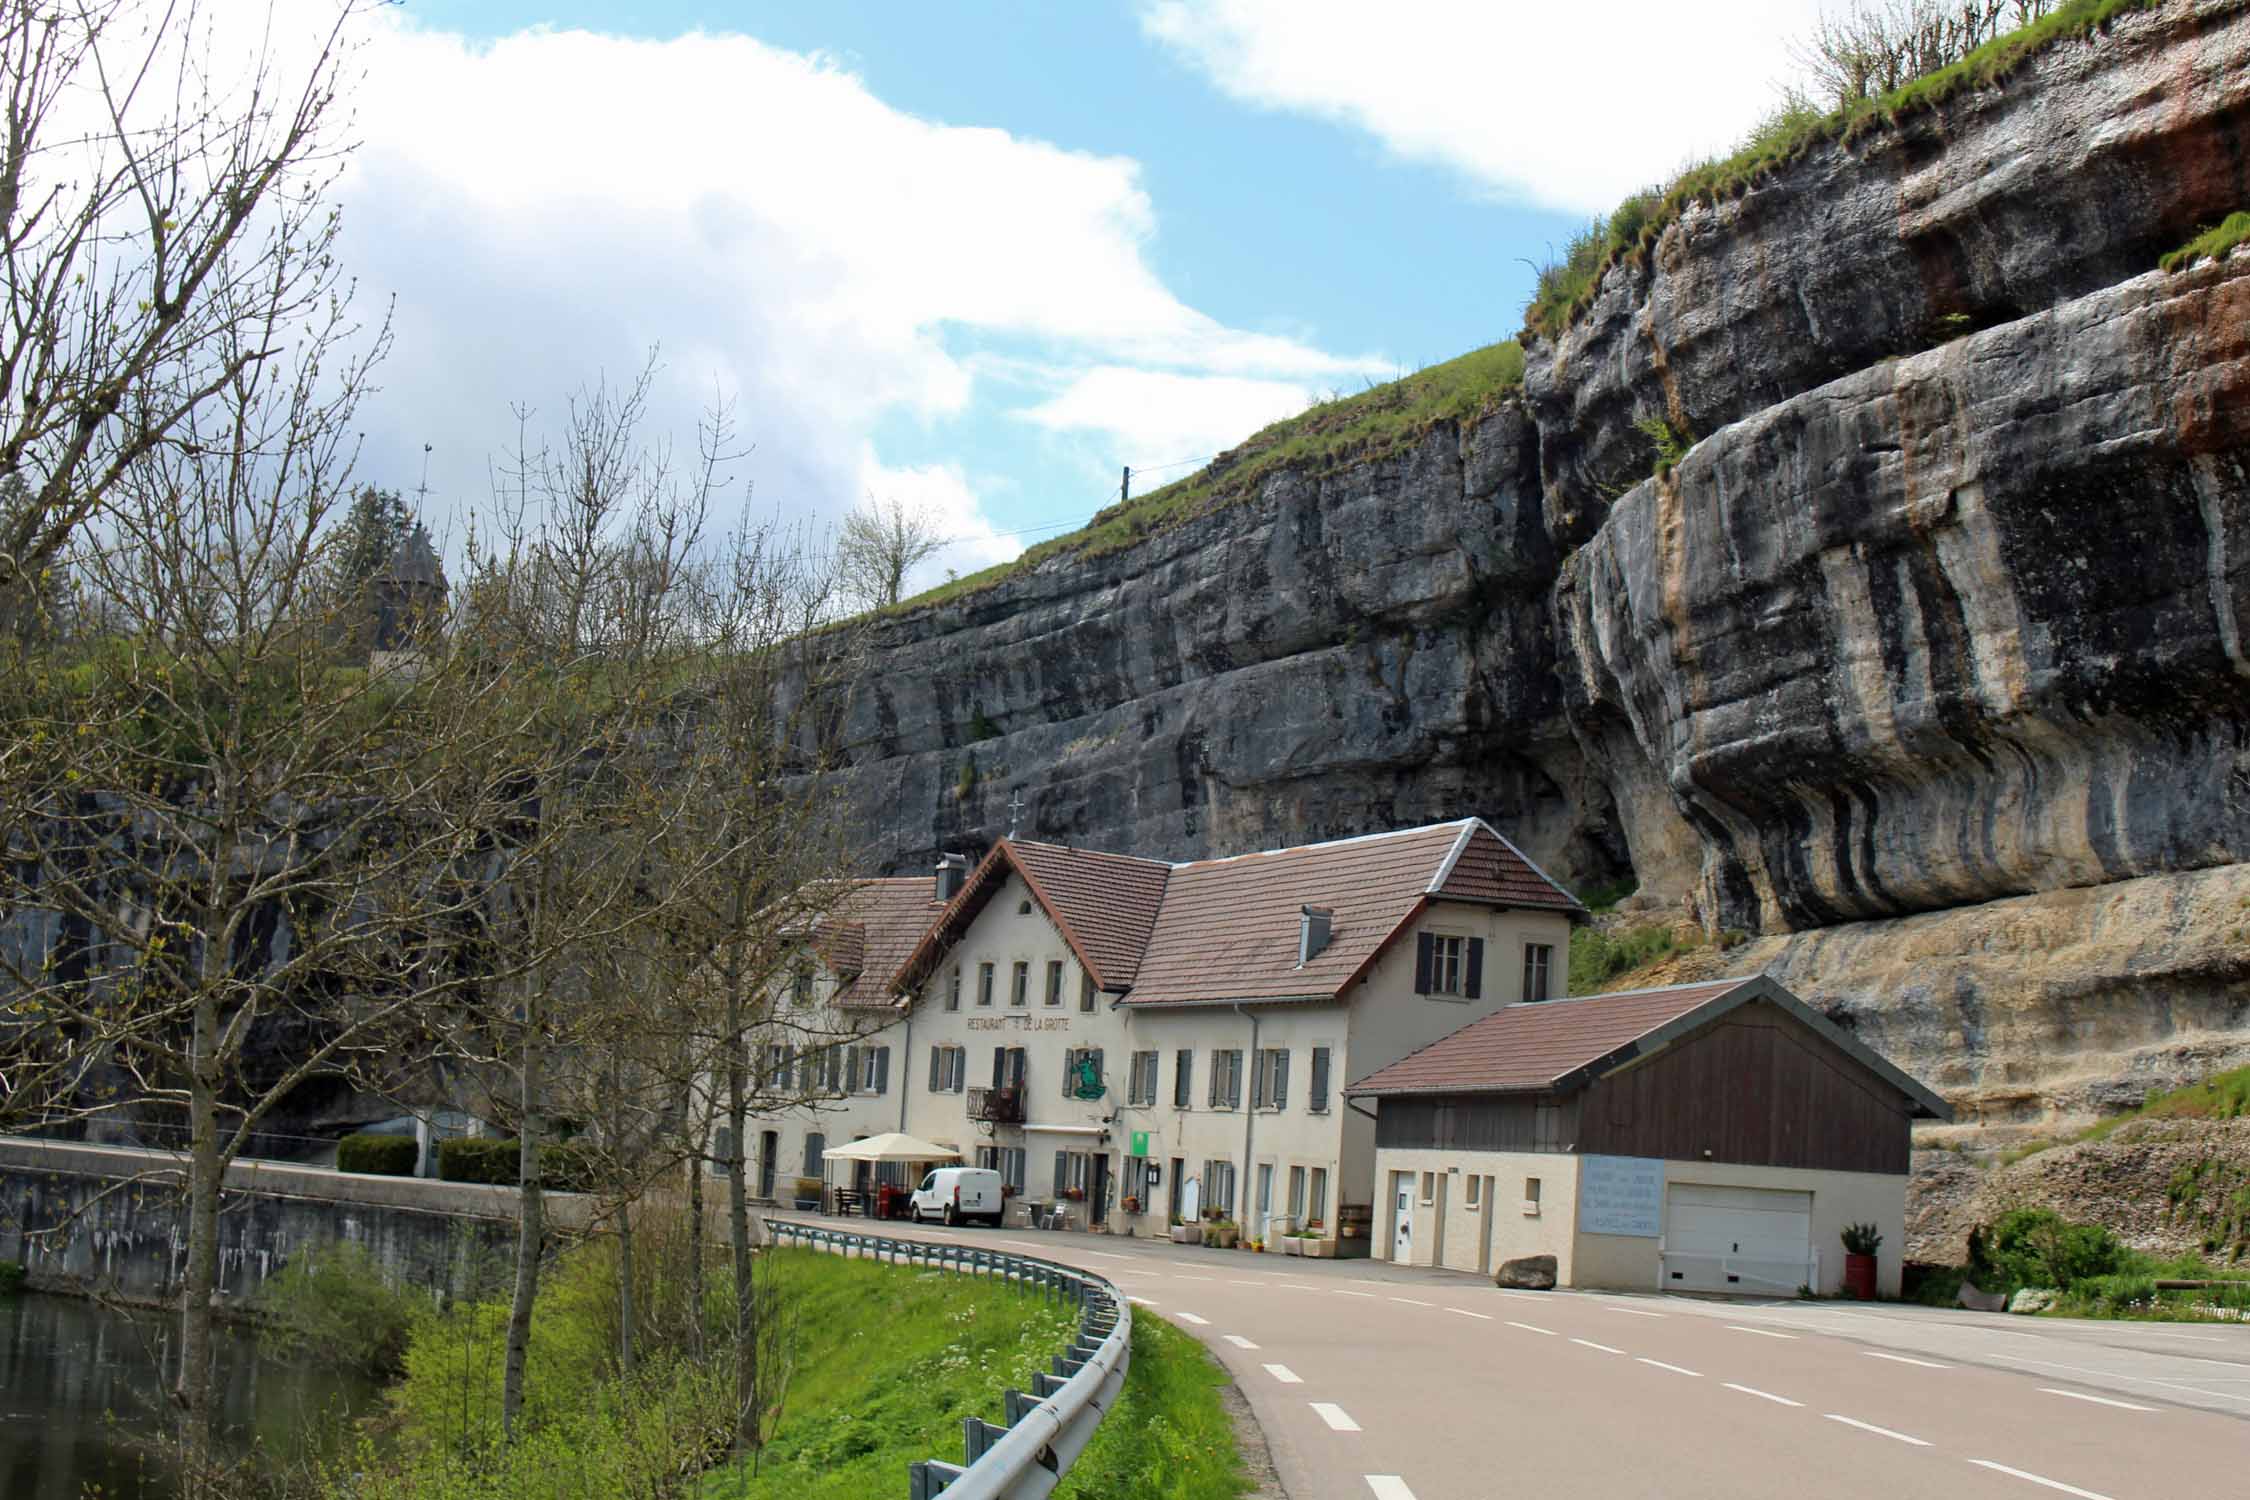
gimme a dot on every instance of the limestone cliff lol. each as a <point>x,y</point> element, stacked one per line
<point>1925,665</point>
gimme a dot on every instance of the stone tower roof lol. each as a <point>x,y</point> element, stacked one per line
<point>415,562</point>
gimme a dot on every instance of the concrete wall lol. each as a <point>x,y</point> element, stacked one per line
<point>128,1237</point>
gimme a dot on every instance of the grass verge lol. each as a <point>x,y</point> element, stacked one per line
<point>1169,1438</point>
<point>2210,244</point>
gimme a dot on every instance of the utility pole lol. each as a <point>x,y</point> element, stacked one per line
<point>1125,486</point>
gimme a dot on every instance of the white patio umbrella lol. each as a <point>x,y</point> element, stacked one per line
<point>892,1146</point>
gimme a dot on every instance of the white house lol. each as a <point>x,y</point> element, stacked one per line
<point>1108,1030</point>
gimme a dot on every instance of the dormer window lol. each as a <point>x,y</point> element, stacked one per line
<point>801,987</point>
<point>1314,923</point>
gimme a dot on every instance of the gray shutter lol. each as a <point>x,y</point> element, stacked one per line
<point>1475,985</point>
<point>1424,945</point>
<point>999,1067</point>
<point>1070,1061</point>
<point>1062,1171</point>
<point>1218,1072</point>
<point>1234,1080</point>
<point>937,1064</point>
<point>1319,1100</point>
<point>883,1070</point>
<point>851,1070</point>
<point>1280,1099</point>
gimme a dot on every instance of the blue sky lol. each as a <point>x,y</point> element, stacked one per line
<point>975,256</point>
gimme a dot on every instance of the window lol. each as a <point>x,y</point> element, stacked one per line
<point>1316,1097</point>
<point>816,1147</point>
<point>1141,1091</point>
<point>1448,966</point>
<point>984,984</point>
<point>801,987</point>
<point>1429,1187</point>
<point>777,1066</point>
<point>1218,1189</point>
<point>1007,1067</point>
<point>1136,1182</point>
<point>949,1069</point>
<point>1019,987</point>
<point>1183,1078</point>
<point>867,1070</point>
<point>1007,1161</point>
<point>1297,1194</point>
<point>1054,981</point>
<point>1082,1073</point>
<point>1531,1197</point>
<point>1270,1089</point>
<point>831,1068</point>
<point>1470,1198</point>
<point>1071,1172</point>
<point>988,1158</point>
<point>1538,962</point>
<point>1316,1198</point>
<point>1086,993</point>
<point>722,1150</point>
<point>953,990</point>
<point>1226,1079</point>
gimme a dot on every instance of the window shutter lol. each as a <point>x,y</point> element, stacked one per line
<point>1280,1098</point>
<point>937,1064</point>
<point>999,1067</point>
<point>882,1070</point>
<point>1218,1074</point>
<point>1319,1100</point>
<point>1062,1172</point>
<point>1424,946</point>
<point>1475,985</point>
<point>851,1070</point>
<point>1070,1065</point>
<point>1234,1078</point>
<point>1016,1066</point>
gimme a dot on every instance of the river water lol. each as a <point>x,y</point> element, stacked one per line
<point>82,1390</point>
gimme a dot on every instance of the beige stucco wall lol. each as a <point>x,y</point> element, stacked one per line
<point>1514,1233</point>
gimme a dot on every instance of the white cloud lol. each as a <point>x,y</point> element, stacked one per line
<point>942,495</point>
<point>1568,106</point>
<point>1147,409</point>
<point>548,206</point>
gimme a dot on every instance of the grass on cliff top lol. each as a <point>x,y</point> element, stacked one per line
<point>889,1360</point>
<point>2222,1096</point>
<point>1351,429</point>
<point>1631,231</point>
<point>2211,244</point>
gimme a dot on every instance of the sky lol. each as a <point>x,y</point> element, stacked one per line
<point>976,257</point>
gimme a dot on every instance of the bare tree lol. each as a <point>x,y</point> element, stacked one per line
<point>145,196</point>
<point>1865,49</point>
<point>879,546</point>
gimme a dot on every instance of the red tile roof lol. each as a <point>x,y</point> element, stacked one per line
<point>1532,1046</point>
<point>1103,904</point>
<point>871,930</point>
<point>1229,927</point>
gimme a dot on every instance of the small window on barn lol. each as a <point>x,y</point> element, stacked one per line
<point>1475,1184</point>
<point>1429,1187</point>
<point>1531,1197</point>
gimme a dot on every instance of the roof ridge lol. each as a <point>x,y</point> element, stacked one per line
<point>1356,838</point>
<point>1138,859</point>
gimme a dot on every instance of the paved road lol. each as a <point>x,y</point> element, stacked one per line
<point>1399,1384</point>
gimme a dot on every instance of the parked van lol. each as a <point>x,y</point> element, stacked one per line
<point>956,1194</point>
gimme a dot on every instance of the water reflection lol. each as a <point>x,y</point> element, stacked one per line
<point>82,1389</point>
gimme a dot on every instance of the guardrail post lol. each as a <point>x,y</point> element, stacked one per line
<point>929,1477</point>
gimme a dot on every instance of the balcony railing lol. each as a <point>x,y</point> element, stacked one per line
<point>996,1106</point>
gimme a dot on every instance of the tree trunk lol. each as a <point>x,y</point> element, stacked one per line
<point>738,1217</point>
<point>625,1287</point>
<point>193,1390</point>
<point>530,1230</point>
<point>699,1135</point>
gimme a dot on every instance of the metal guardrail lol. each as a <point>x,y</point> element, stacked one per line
<point>1025,1457</point>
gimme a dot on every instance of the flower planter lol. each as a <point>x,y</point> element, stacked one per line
<point>1319,1250</point>
<point>1859,1276</point>
<point>1291,1245</point>
<point>1187,1234</point>
<point>1221,1239</point>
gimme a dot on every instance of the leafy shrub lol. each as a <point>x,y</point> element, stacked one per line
<point>2037,1247</point>
<point>2111,1296</point>
<point>478,1160</point>
<point>382,1155</point>
<point>333,1304</point>
<point>1598,956</point>
<point>568,1167</point>
<point>11,1278</point>
<point>1862,1239</point>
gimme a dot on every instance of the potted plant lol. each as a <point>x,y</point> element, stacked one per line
<point>1132,1204</point>
<point>1861,1241</point>
<point>808,1194</point>
<point>1074,1194</point>
<point>1293,1243</point>
<point>1186,1234</point>
<point>1223,1234</point>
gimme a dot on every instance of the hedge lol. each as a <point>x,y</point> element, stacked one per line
<point>383,1155</point>
<point>478,1160</point>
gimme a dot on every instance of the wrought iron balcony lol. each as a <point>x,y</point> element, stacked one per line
<point>996,1106</point>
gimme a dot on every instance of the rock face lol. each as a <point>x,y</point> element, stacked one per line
<point>1925,668</point>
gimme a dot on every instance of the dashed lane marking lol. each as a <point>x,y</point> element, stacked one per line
<point>1905,1359</point>
<point>1143,1301</point>
<point>1411,1302</point>
<point>1232,1282</point>
<point>2040,1479</point>
<point>1632,1312</point>
<point>1192,1318</point>
<point>1464,1312</point>
<point>1897,1437</point>
<point>1764,1333</point>
<point>1179,1276</point>
<point>1605,1348</point>
<point>1532,1328</point>
<point>1675,1369</point>
<point>1285,1375</point>
<point>2097,1400</point>
<point>1239,1341</point>
<point>1528,1296</point>
<point>1751,1390</point>
<point>1370,1296</point>
<point>1388,1487</point>
<point>1105,1255</point>
<point>1335,1416</point>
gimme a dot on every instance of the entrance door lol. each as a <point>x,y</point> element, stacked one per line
<point>1097,1191</point>
<point>1265,1197</point>
<point>769,1160</point>
<point>1402,1220</point>
<point>1437,1224</point>
<point>1737,1239</point>
<point>816,1147</point>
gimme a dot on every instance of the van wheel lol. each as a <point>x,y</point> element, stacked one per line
<point>951,1218</point>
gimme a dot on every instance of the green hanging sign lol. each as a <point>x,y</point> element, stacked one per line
<point>1140,1143</point>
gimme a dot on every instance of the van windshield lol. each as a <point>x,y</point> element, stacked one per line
<point>929,1182</point>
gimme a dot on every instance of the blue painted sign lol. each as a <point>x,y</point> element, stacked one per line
<point>1621,1195</point>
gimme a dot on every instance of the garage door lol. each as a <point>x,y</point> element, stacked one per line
<point>1736,1239</point>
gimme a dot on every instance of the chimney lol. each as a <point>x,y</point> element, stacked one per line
<point>1312,933</point>
<point>952,870</point>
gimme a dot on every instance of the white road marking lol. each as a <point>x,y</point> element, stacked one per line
<point>1192,1318</point>
<point>1143,1301</point>
<point>1105,1255</point>
<point>1335,1416</point>
<point>1184,1277</point>
<point>2053,1484</point>
<point>1410,1302</point>
<point>1388,1487</point>
<point>1240,1342</point>
<point>1635,1312</point>
<point>1675,1369</point>
<point>2166,1333</point>
<point>1464,1312</point>
<point>1605,1348</point>
<point>1764,1333</point>
<point>1528,1328</point>
<point>1751,1390</point>
<point>1527,1296</point>
<point>1363,1281</point>
<point>1905,1359</point>
<point>2097,1400</point>
<point>1339,1291</point>
<point>1878,1431</point>
<point>1245,1283</point>
<point>1285,1375</point>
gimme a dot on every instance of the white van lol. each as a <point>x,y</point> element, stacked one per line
<point>957,1194</point>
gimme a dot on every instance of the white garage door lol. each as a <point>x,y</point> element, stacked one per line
<point>1736,1239</point>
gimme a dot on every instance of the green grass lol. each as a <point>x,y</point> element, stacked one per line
<point>1169,1438</point>
<point>889,1361</point>
<point>1351,429</point>
<point>1630,233</point>
<point>2210,244</point>
<point>2222,1096</point>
